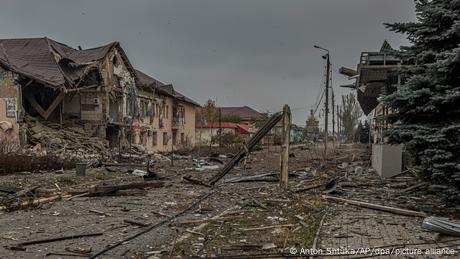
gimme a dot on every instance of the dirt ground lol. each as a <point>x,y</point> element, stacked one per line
<point>234,220</point>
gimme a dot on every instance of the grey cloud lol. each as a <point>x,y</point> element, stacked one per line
<point>242,52</point>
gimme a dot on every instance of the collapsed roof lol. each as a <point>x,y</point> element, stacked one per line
<point>57,65</point>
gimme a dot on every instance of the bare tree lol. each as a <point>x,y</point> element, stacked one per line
<point>210,111</point>
<point>350,115</point>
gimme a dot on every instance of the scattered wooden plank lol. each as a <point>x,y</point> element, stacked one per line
<point>310,187</point>
<point>55,239</point>
<point>162,214</point>
<point>194,232</point>
<point>226,212</point>
<point>412,188</point>
<point>136,223</point>
<point>195,181</point>
<point>258,203</point>
<point>150,228</point>
<point>270,177</point>
<point>199,221</point>
<point>377,207</point>
<point>269,227</point>
<point>100,213</point>
<point>66,254</point>
<point>318,232</point>
<point>78,195</point>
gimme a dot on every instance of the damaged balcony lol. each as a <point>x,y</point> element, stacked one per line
<point>178,119</point>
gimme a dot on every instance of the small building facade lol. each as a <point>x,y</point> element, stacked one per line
<point>206,133</point>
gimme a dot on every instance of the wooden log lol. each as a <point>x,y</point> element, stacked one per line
<point>377,207</point>
<point>34,201</point>
<point>108,189</point>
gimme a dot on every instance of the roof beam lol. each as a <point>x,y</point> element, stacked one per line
<point>45,113</point>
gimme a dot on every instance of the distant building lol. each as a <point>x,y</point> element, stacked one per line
<point>312,126</point>
<point>244,114</point>
<point>205,133</point>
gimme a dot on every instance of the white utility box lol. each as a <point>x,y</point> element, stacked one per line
<point>387,159</point>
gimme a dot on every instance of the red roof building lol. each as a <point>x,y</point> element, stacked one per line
<point>239,128</point>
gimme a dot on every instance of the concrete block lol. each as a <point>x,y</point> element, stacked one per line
<point>387,159</point>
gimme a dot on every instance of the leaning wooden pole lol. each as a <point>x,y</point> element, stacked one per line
<point>269,124</point>
<point>285,147</point>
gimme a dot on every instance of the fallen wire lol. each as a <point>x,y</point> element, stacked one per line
<point>193,205</point>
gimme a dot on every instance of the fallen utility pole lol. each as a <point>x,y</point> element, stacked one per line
<point>377,207</point>
<point>285,147</point>
<point>248,147</point>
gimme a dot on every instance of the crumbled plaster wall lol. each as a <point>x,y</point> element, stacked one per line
<point>10,109</point>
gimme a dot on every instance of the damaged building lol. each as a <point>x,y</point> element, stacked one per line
<point>377,75</point>
<point>97,89</point>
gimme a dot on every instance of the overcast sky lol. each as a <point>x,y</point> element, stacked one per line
<point>241,52</point>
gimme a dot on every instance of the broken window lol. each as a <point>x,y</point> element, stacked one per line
<point>10,107</point>
<point>154,138</point>
<point>182,138</point>
<point>165,138</point>
<point>174,136</point>
<point>144,138</point>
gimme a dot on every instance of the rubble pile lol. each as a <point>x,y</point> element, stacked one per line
<point>69,143</point>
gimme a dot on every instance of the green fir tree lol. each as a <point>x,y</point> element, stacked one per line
<point>427,105</point>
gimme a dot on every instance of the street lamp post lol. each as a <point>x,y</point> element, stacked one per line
<point>326,104</point>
